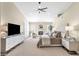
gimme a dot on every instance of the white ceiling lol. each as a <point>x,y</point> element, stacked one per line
<point>54,8</point>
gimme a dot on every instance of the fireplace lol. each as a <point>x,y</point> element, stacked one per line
<point>40,32</point>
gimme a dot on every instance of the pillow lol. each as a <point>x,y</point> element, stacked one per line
<point>54,35</point>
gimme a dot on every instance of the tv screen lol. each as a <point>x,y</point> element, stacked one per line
<point>13,29</point>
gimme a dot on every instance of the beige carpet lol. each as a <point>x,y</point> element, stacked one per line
<point>29,48</point>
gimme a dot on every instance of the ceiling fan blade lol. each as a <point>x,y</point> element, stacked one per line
<point>59,14</point>
<point>43,10</point>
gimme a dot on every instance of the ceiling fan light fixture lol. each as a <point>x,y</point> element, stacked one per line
<point>39,6</point>
<point>39,2</point>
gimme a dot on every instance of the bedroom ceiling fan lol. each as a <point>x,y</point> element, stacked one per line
<point>40,9</point>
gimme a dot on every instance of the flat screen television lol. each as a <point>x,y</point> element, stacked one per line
<point>13,29</point>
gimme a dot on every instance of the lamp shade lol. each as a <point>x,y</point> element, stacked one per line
<point>69,28</point>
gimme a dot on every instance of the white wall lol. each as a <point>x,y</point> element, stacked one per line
<point>34,26</point>
<point>70,16</point>
<point>26,28</point>
<point>11,14</point>
<point>59,24</point>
